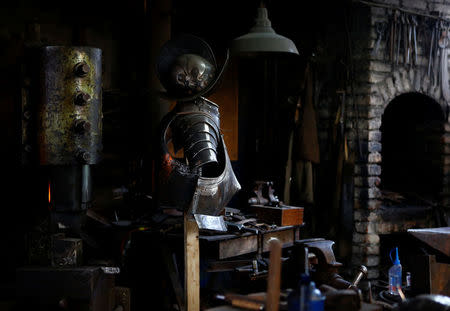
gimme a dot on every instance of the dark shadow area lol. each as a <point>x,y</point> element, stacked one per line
<point>412,128</point>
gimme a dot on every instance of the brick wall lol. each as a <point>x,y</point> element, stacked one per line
<point>377,82</point>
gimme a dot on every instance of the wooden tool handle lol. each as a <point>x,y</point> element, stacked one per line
<point>243,301</point>
<point>247,304</point>
<point>274,275</point>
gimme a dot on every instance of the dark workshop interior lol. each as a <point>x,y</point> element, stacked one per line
<point>225,155</point>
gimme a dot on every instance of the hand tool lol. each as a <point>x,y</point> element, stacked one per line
<point>362,272</point>
<point>392,37</point>
<point>380,29</point>
<point>430,56</point>
<point>405,37</point>
<point>241,301</point>
<point>409,40</point>
<point>436,54</point>
<point>443,44</point>
<point>399,36</point>
<point>345,297</point>
<point>414,34</point>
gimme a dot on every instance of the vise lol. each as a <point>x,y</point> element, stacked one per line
<point>340,294</point>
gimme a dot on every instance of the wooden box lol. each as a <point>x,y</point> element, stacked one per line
<point>280,216</point>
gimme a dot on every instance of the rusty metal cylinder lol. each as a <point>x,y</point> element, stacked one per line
<point>70,107</point>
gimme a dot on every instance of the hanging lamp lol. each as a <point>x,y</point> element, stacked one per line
<point>262,38</point>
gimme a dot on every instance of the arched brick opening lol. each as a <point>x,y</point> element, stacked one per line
<point>401,96</point>
<point>379,86</point>
<point>412,127</point>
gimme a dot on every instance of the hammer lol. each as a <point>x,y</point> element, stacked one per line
<point>362,272</point>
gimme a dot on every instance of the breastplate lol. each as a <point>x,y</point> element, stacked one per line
<point>203,181</point>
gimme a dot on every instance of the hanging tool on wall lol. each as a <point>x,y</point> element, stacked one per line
<point>380,28</point>
<point>398,36</point>
<point>430,55</point>
<point>409,41</point>
<point>392,31</point>
<point>443,45</point>
<point>436,54</point>
<point>404,20</point>
<point>414,36</point>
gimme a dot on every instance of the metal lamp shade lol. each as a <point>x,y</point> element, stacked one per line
<point>262,38</point>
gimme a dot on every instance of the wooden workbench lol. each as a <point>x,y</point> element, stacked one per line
<point>431,271</point>
<point>222,246</point>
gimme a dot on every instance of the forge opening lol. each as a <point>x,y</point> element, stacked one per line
<point>412,127</point>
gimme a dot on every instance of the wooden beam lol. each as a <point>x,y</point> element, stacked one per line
<point>191,264</point>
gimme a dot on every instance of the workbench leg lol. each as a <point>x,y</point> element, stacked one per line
<point>274,275</point>
<point>191,264</point>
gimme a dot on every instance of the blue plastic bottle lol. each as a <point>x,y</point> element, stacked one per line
<point>395,274</point>
<point>316,298</point>
<point>298,299</point>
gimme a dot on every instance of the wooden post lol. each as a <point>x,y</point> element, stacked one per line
<point>191,264</point>
<point>274,275</point>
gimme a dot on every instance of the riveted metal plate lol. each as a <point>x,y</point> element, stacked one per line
<point>62,81</point>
